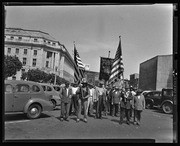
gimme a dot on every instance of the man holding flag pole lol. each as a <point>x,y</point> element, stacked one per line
<point>117,76</point>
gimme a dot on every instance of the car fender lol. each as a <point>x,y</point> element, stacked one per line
<point>149,99</point>
<point>41,102</point>
<point>57,99</point>
<point>166,101</point>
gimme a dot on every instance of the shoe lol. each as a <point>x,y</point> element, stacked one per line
<point>66,119</point>
<point>77,120</point>
<point>85,120</point>
<point>134,123</point>
<point>138,123</point>
<point>61,119</point>
<point>128,122</point>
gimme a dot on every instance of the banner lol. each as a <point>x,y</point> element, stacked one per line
<point>105,68</point>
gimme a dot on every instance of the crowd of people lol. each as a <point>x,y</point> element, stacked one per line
<point>85,100</point>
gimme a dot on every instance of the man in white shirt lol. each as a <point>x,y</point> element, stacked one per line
<point>73,104</point>
<point>89,109</point>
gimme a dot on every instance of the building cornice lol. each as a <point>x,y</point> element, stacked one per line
<point>32,45</point>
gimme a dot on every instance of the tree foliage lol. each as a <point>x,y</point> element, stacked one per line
<point>37,75</point>
<point>11,65</point>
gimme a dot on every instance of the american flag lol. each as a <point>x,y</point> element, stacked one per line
<point>79,66</point>
<point>117,66</point>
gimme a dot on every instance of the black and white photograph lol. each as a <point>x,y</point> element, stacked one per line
<point>95,72</point>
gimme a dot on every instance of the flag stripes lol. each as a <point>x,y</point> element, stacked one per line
<point>117,66</point>
<point>79,67</point>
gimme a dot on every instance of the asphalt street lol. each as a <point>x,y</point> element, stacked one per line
<point>154,125</point>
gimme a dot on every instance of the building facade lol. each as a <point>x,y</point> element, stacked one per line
<point>134,79</point>
<point>37,49</point>
<point>156,73</point>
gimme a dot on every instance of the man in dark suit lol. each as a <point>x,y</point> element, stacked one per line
<point>122,106</point>
<point>116,94</point>
<point>65,95</point>
<point>83,94</point>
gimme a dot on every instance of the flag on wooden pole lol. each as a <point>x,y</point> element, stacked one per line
<point>117,66</point>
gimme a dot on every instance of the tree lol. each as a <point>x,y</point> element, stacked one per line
<point>37,75</point>
<point>11,65</point>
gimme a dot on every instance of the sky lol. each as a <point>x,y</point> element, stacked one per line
<point>145,30</point>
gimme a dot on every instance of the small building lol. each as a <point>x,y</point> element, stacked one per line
<point>156,73</point>
<point>134,79</point>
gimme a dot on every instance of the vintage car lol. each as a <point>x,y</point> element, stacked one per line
<point>49,89</point>
<point>27,97</point>
<point>160,99</point>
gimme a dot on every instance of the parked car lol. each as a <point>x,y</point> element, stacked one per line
<point>167,101</point>
<point>152,98</point>
<point>27,97</point>
<point>145,92</point>
<point>160,99</point>
<point>49,89</point>
<point>57,88</point>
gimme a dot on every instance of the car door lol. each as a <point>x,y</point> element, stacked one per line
<point>157,98</point>
<point>21,96</point>
<point>9,98</point>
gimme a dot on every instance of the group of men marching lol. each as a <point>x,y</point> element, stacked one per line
<point>95,101</point>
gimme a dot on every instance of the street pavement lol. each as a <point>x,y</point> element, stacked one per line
<point>154,125</point>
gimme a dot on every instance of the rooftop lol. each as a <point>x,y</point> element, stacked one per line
<point>30,33</point>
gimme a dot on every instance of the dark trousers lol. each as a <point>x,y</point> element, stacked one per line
<point>108,105</point>
<point>127,114</point>
<point>122,113</point>
<point>99,107</point>
<point>96,108</point>
<point>115,109</point>
<point>64,110</point>
<point>73,104</point>
<point>111,108</point>
<point>105,108</point>
<point>137,115</point>
<point>82,105</point>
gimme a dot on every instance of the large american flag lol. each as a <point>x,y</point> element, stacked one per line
<point>79,67</point>
<point>117,66</point>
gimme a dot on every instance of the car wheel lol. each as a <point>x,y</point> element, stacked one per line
<point>34,111</point>
<point>167,108</point>
<point>54,103</point>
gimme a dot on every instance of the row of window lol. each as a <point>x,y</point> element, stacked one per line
<point>17,51</point>
<point>35,40</point>
<point>21,88</point>
<point>33,63</point>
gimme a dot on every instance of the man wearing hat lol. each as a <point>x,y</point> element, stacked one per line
<point>101,94</point>
<point>84,93</point>
<point>116,94</point>
<point>65,95</point>
<point>139,106</point>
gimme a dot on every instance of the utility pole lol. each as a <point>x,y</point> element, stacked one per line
<point>109,54</point>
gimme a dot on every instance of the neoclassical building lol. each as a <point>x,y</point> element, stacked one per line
<point>37,49</point>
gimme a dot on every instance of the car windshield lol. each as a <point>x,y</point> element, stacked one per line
<point>168,92</point>
<point>57,88</point>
